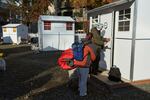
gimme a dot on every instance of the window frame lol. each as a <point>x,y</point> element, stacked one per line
<point>47,25</point>
<point>4,29</point>
<point>14,29</point>
<point>124,20</point>
<point>69,26</point>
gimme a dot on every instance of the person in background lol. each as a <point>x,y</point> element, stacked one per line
<point>100,42</point>
<point>2,62</point>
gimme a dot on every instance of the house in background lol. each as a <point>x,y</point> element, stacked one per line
<point>127,23</point>
<point>14,33</point>
<point>55,32</point>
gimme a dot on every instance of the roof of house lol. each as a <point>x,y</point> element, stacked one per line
<point>56,18</point>
<point>110,5</point>
<point>11,25</point>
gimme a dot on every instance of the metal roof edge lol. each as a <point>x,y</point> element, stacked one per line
<point>44,17</point>
<point>11,25</point>
<point>113,4</point>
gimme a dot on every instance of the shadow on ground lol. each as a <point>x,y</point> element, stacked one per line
<point>62,92</point>
<point>37,77</point>
<point>28,72</point>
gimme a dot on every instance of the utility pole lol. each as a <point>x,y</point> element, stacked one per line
<point>10,18</point>
<point>56,6</point>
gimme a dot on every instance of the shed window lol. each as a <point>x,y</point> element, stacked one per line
<point>47,25</point>
<point>124,20</point>
<point>68,26</point>
<point>4,29</point>
<point>14,29</point>
<point>95,19</point>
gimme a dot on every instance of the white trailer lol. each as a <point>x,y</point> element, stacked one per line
<point>55,32</point>
<point>14,33</point>
<point>127,23</point>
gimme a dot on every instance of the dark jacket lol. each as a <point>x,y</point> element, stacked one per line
<point>97,39</point>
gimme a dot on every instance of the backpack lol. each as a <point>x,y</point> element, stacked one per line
<point>114,74</point>
<point>78,51</point>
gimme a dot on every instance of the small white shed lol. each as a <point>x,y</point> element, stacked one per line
<point>14,33</point>
<point>55,32</point>
<point>127,23</point>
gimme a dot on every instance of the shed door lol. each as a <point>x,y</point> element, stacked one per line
<point>106,54</point>
<point>123,40</point>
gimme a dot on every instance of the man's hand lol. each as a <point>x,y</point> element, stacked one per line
<point>70,62</point>
<point>106,39</point>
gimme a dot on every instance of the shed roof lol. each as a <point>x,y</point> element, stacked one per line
<point>57,18</point>
<point>110,5</point>
<point>11,25</point>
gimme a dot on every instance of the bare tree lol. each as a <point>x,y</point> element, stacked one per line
<point>82,6</point>
<point>30,10</point>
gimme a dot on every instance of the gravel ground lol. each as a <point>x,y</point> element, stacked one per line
<point>31,76</point>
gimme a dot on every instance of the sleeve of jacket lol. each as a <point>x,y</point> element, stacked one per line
<point>84,63</point>
<point>92,54</point>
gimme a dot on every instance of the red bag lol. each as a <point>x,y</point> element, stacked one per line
<point>62,62</point>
